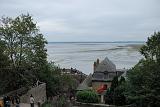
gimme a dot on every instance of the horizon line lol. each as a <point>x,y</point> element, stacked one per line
<point>96,41</point>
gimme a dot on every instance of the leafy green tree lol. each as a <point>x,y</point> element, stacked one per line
<point>114,83</point>
<point>143,85</point>
<point>115,94</point>
<point>109,97</point>
<point>110,92</point>
<point>23,57</point>
<point>55,81</point>
<point>151,50</point>
<point>4,60</point>
<point>119,96</point>
<point>25,45</point>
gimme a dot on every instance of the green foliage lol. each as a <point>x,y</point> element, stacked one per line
<point>62,102</point>
<point>87,96</point>
<point>114,83</point>
<point>122,80</point>
<point>4,60</point>
<point>119,96</point>
<point>109,96</point>
<point>23,58</point>
<point>22,52</point>
<point>110,92</point>
<point>12,79</point>
<point>50,74</point>
<point>56,83</point>
<point>25,45</point>
<point>143,85</point>
<point>151,50</point>
<point>115,94</point>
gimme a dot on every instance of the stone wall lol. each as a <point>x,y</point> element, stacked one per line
<point>38,92</point>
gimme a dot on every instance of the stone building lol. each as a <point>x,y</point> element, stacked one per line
<point>100,79</point>
<point>104,73</point>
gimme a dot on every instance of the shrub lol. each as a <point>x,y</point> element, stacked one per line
<point>87,96</point>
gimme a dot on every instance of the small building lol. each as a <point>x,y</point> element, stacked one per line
<point>100,80</point>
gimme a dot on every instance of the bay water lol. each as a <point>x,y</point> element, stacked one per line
<point>81,55</point>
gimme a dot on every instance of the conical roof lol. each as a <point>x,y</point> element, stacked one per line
<point>106,65</point>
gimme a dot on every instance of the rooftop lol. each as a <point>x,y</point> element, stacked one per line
<point>106,65</point>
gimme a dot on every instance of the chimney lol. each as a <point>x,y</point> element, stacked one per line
<point>94,66</point>
<point>97,61</point>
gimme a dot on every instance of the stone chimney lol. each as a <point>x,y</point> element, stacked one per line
<point>96,63</point>
<point>94,66</point>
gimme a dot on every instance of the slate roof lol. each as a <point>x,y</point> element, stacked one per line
<point>106,65</point>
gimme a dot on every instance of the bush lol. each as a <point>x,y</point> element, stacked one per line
<point>87,96</point>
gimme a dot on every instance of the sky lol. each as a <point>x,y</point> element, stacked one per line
<point>89,20</point>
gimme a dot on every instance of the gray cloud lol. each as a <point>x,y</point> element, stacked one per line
<point>89,20</point>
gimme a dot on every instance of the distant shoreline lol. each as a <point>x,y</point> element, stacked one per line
<point>103,42</point>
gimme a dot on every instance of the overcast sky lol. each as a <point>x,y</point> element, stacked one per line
<point>89,20</point>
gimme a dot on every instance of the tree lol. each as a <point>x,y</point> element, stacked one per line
<point>119,96</point>
<point>151,50</point>
<point>4,60</point>
<point>23,58</point>
<point>51,76</point>
<point>143,85</point>
<point>114,83</point>
<point>25,45</point>
<point>56,82</point>
<point>115,94</point>
<point>110,91</point>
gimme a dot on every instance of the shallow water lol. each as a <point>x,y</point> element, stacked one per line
<point>82,55</point>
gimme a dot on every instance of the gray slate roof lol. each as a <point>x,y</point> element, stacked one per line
<point>106,65</point>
